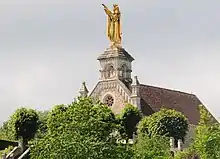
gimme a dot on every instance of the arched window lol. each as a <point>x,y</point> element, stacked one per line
<point>123,70</point>
<point>110,71</point>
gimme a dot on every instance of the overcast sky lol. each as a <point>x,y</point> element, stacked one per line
<point>48,47</point>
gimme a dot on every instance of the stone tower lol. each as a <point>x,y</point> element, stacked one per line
<point>115,84</point>
<point>116,63</point>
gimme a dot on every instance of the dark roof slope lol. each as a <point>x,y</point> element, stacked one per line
<point>156,98</point>
<point>114,52</point>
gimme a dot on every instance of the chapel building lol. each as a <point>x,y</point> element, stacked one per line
<point>116,87</point>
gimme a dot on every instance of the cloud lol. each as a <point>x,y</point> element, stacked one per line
<point>47,48</point>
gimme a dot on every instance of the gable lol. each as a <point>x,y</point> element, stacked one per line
<point>114,90</point>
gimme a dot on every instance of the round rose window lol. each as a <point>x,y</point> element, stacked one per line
<point>109,100</point>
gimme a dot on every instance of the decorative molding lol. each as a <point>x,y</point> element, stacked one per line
<point>116,86</point>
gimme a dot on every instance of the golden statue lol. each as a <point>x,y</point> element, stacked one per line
<point>113,25</point>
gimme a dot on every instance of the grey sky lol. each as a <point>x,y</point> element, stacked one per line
<point>48,47</point>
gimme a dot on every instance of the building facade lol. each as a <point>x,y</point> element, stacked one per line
<point>116,87</point>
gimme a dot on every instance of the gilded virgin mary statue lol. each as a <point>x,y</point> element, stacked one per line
<point>113,25</point>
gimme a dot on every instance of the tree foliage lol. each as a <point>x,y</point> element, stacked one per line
<point>56,118</point>
<point>24,123</point>
<point>205,116</point>
<point>129,119</point>
<point>207,143</point>
<point>156,147</point>
<point>89,129</point>
<point>6,150</point>
<point>6,132</point>
<point>77,146</point>
<point>188,153</point>
<point>85,117</point>
<point>164,122</point>
<point>42,123</point>
<point>83,129</point>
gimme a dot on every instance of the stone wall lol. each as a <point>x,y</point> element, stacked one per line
<point>116,89</point>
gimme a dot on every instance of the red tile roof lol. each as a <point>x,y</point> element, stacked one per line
<point>156,98</point>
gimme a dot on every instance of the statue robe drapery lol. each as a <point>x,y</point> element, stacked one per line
<point>113,27</point>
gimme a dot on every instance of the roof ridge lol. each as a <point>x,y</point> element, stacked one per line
<point>173,90</point>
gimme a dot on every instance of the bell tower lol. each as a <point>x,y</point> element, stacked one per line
<point>116,63</point>
<point>114,87</point>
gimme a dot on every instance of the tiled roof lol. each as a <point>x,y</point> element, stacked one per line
<point>156,98</point>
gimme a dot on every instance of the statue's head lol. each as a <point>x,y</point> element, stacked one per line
<point>116,8</point>
<point>115,5</point>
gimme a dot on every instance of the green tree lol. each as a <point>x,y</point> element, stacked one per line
<point>42,123</point>
<point>6,131</point>
<point>156,147</point>
<point>188,153</point>
<point>129,119</point>
<point>56,117</point>
<point>6,151</point>
<point>143,126</point>
<point>207,142</point>
<point>205,116</point>
<point>164,122</point>
<point>77,146</point>
<point>24,123</point>
<point>84,129</point>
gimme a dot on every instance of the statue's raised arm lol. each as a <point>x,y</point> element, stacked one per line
<point>104,5</point>
<point>107,11</point>
<point>113,25</point>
